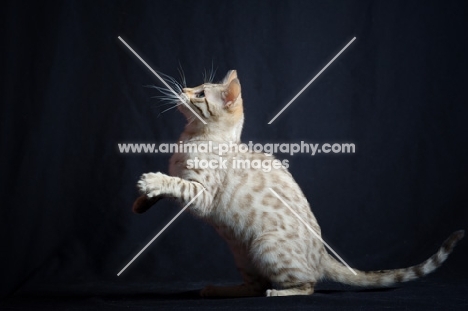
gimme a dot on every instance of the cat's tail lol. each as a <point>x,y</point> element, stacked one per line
<point>336,271</point>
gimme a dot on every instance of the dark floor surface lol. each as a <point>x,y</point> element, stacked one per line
<point>426,294</point>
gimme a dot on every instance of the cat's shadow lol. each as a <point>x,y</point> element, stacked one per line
<point>195,294</point>
<point>365,290</point>
<point>117,296</point>
<point>183,295</point>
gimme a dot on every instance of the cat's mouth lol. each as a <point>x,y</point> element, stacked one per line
<point>185,98</point>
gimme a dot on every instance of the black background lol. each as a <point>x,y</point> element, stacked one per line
<point>71,91</point>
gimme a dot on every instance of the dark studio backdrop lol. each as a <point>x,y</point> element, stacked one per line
<point>71,92</point>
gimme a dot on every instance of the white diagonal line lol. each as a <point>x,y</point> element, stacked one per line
<point>313,79</point>
<point>313,231</point>
<point>159,233</point>
<point>162,80</point>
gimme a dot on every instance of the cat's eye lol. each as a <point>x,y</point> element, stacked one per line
<point>200,94</point>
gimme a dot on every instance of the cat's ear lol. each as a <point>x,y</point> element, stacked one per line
<point>232,93</point>
<point>231,75</point>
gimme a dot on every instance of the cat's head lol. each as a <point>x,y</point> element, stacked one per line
<point>219,105</point>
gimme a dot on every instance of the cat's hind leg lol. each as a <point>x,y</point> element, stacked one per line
<point>254,284</point>
<point>285,263</point>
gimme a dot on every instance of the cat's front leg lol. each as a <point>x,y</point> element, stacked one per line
<point>144,202</point>
<point>152,184</point>
<point>157,185</point>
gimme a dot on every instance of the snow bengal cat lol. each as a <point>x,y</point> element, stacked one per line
<point>275,252</point>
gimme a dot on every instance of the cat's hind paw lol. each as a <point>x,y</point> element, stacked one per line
<point>271,293</point>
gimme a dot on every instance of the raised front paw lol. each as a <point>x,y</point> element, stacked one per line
<point>151,184</point>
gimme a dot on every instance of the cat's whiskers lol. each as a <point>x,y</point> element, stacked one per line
<point>172,81</point>
<point>176,105</point>
<point>165,104</point>
<point>168,97</point>
<point>204,76</point>
<point>212,73</point>
<point>182,75</point>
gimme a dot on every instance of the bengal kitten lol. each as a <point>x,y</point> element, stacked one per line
<point>275,252</point>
